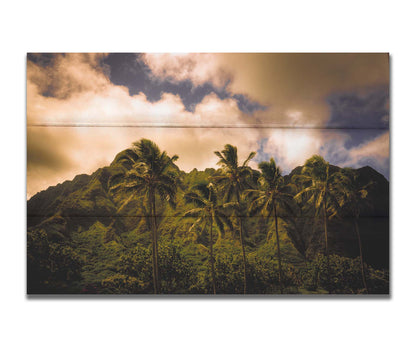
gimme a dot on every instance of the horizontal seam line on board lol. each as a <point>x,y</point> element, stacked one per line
<point>203,126</point>
<point>181,216</point>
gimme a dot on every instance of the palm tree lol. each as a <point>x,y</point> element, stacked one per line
<point>320,190</point>
<point>351,197</point>
<point>207,211</point>
<point>234,179</point>
<point>272,197</point>
<point>151,172</point>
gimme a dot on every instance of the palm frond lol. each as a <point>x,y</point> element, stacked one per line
<point>250,156</point>
<point>196,199</point>
<point>304,191</point>
<point>125,203</point>
<point>116,181</point>
<point>195,212</point>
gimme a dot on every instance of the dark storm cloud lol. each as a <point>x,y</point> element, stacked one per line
<point>363,116</point>
<point>42,59</point>
<point>246,105</point>
<point>55,77</point>
<point>194,89</point>
<point>360,110</point>
<point>127,69</point>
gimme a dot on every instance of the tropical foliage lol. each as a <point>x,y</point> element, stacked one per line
<point>142,226</point>
<point>150,172</point>
<point>207,212</point>
<point>272,198</point>
<point>233,179</point>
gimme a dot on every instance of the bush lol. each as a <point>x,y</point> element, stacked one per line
<point>345,276</point>
<point>51,267</point>
<point>122,284</point>
<point>262,274</point>
<point>177,273</point>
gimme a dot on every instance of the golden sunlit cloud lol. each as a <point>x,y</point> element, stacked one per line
<point>59,153</point>
<point>285,83</point>
<point>75,89</point>
<point>292,147</point>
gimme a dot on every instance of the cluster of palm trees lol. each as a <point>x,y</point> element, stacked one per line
<point>237,190</point>
<point>151,174</point>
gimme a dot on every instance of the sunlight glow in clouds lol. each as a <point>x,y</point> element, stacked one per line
<point>282,82</point>
<point>74,89</point>
<point>292,147</point>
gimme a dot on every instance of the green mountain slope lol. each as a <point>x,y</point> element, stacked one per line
<point>83,224</point>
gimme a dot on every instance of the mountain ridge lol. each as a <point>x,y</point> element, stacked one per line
<point>76,205</point>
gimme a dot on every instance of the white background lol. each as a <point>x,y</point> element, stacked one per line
<point>181,26</point>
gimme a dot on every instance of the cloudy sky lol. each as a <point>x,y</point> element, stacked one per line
<point>82,109</point>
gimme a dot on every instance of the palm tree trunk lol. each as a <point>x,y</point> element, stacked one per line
<point>214,285</point>
<point>244,255</point>
<point>361,254</point>
<point>155,238</point>
<point>242,246</point>
<point>154,248</point>
<point>328,267</point>
<point>279,258</point>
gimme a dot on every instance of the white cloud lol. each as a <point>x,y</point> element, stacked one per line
<point>196,67</point>
<point>291,147</point>
<point>293,87</point>
<point>377,149</point>
<point>81,93</point>
<point>58,153</point>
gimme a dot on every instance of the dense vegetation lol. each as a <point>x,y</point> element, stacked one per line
<point>141,226</point>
